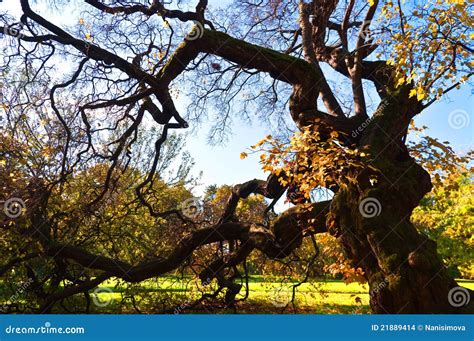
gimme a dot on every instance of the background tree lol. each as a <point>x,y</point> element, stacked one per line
<point>446,216</point>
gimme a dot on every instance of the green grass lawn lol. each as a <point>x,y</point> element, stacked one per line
<point>265,296</point>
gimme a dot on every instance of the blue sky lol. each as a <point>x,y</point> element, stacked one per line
<point>437,118</point>
<point>222,164</point>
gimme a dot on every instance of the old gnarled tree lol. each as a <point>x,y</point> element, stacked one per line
<point>124,62</point>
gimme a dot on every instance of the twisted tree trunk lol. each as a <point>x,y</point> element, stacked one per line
<point>371,220</point>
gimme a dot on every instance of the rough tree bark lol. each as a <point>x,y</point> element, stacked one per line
<point>402,266</point>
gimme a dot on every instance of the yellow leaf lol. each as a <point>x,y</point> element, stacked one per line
<point>259,143</point>
<point>420,93</point>
<point>420,96</point>
<point>243,155</point>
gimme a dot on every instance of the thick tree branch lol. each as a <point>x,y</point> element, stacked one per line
<point>306,78</point>
<point>271,188</point>
<point>284,235</point>
<point>155,8</point>
<point>312,40</point>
